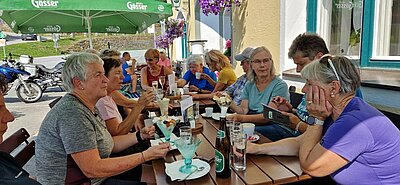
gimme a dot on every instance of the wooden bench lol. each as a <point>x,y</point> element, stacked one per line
<point>19,138</point>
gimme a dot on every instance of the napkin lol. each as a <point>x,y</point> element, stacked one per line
<point>161,140</point>
<point>172,169</point>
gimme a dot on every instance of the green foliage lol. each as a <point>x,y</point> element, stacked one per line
<point>355,37</point>
<point>40,49</point>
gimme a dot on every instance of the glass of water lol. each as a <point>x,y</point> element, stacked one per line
<point>239,152</point>
<point>196,109</point>
<point>185,133</point>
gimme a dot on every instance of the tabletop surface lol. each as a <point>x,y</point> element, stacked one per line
<point>261,169</point>
<point>202,104</point>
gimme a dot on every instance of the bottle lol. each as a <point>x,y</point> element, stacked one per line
<point>222,149</point>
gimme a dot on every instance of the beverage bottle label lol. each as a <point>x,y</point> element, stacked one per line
<point>219,161</point>
<point>221,134</point>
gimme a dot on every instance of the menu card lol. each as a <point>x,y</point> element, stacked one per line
<point>187,111</point>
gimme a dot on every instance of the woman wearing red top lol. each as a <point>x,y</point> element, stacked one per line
<point>152,71</point>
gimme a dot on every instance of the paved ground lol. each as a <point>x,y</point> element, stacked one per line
<point>31,115</point>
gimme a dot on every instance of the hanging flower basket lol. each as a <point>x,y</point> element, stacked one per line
<point>217,6</point>
<point>173,29</point>
<point>163,41</point>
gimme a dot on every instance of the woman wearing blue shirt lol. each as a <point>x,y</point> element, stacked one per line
<point>201,85</point>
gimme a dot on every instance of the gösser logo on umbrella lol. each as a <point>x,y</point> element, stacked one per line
<point>67,16</point>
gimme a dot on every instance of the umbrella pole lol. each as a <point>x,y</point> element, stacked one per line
<point>89,23</point>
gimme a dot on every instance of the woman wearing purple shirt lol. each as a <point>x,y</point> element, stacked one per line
<point>347,138</point>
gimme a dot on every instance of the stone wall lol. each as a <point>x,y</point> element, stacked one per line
<point>120,43</point>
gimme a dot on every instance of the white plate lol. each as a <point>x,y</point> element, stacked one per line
<point>216,116</point>
<point>172,169</point>
<point>204,115</point>
<point>256,138</point>
<point>161,140</point>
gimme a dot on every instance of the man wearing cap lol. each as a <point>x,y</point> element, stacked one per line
<point>236,88</point>
<point>164,61</point>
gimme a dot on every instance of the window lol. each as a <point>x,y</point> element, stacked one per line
<point>339,23</point>
<point>364,30</point>
<point>386,39</point>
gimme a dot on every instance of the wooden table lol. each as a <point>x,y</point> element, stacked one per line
<point>203,103</point>
<point>261,169</point>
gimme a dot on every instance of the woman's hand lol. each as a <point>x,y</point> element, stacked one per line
<point>204,76</point>
<point>193,88</point>
<point>317,106</point>
<point>235,117</point>
<point>147,132</point>
<point>155,152</point>
<point>251,148</point>
<point>282,104</point>
<point>146,98</point>
<point>294,120</point>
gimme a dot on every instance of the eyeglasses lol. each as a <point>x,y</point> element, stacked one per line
<point>151,59</point>
<point>265,60</point>
<point>327,59</point>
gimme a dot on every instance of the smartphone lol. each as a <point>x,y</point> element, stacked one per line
<point>275,115</point>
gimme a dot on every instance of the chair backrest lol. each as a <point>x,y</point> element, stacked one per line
<point>52,103</point>
<point>14,141</point>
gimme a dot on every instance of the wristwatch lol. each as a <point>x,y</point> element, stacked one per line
<point>314,121</point>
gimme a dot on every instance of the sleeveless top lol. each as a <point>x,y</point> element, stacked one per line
<point>151,78</point>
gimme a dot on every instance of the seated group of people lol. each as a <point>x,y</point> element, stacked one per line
<point>333,132</point>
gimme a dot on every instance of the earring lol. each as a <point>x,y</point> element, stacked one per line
<point>82,88</point>
<point>332,95</point>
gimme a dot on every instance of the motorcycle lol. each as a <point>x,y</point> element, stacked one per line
<point>46,77</point>
<point>27,90</point>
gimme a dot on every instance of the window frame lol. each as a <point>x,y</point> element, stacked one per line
<point>366,57</point>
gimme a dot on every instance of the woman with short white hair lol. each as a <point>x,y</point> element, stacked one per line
<point>347,138</point>
<point>73,145</point>
<point>199,84</point>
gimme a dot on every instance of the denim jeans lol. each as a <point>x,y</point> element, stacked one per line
<point>276,132</point>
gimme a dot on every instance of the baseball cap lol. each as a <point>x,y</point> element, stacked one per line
<point>246,53</point>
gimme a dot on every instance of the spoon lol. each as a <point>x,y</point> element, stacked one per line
<point>201,168</point>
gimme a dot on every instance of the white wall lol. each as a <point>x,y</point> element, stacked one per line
<point>293,23</point>
<point>209,30</point>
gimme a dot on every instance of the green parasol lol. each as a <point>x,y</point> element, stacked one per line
<point>67,16</point>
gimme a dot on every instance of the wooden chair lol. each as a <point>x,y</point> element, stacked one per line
<point>14,141</point>
<point>52,103</point>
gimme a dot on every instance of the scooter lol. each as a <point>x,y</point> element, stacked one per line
<point>28,90</point>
